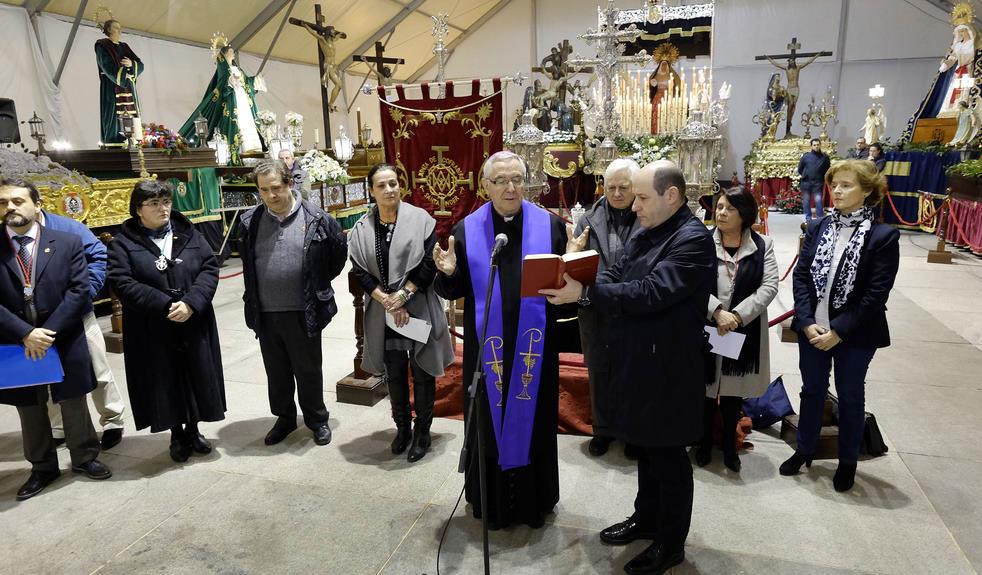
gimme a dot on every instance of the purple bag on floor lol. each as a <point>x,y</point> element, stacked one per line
<point>769,408</point>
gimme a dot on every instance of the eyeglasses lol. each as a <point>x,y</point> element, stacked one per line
<point>517,181</point>
<point>157,203</point>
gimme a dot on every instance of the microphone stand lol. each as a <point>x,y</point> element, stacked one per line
<point>477,391</point>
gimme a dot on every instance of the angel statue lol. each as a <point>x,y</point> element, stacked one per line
<point>875,124</point>
<point>968,123</point>
<point>229,103</point>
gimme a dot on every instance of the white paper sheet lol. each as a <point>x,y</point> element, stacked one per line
<point>416,329</point>
<point>728,345</point>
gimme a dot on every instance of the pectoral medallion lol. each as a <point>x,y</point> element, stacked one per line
<point>161,263</point>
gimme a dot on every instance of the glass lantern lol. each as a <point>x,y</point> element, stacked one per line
<point>700,148</point>
<point>344,149</point>
<point>529,143</point>
<point>36,125</point>
<point>201,130</point>
<point>366,135</point>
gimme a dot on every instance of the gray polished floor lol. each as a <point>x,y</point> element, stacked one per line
<point>352,508</point>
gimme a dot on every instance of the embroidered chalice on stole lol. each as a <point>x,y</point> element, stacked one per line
<point>529,358</point>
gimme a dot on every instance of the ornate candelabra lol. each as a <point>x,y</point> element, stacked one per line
<point>700,157</point>
<point>827,111</point>
<point>610,56</point>
<point>810,119</point>
<point>529,142</point>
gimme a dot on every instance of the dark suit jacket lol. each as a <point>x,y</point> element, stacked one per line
<point>862,320</point>
<point>61,297</point>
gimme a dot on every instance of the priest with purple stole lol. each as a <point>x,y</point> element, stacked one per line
<point>520,351</point>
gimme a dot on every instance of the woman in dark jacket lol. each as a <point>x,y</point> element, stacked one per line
<point>164,272</point>
<point>841,284</point>
<point>391,253</point>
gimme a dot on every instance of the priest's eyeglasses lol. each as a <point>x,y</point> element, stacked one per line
<point>517,181</point>
<point>154,204</point>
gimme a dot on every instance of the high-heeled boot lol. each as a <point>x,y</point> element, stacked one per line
<point>730,406</point>
<point>845,477</point>
<point>793,464</point>
<point>424,390</point>
<point>704,453</point>
<point>396,379</point>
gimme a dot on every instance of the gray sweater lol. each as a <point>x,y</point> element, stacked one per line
<point>279,261</point>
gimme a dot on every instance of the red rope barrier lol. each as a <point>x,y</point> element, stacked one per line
<point>958,230</point>
<point>896,214</point>
<point>780,318</point>
<point>791,267</point>
<point>230,276</point>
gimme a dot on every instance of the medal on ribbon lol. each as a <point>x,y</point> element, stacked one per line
<point>161,263</point>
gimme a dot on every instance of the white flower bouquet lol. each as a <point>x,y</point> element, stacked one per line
<point>323,168</point>
<point>293,119</point>
<point>267,117</point>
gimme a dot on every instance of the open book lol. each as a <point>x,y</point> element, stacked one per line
<point>545,271</point>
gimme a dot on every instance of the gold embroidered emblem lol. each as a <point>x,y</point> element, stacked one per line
<point>529,359</point>
<point>496,365</point>
<point>440,178</point>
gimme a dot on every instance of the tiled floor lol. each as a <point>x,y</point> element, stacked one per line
<point>352,508</point>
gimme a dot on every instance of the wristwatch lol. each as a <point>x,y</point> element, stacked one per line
<point>584,299</point>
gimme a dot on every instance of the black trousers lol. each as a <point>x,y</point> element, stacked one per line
<point>664,500</point>
<point>293,362</point>
<point>39,445</point>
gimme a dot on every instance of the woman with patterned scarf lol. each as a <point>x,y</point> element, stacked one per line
<point>841,284</point>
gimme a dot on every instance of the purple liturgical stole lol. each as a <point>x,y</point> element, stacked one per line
<point>514,416</point>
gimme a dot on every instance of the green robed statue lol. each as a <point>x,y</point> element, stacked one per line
<point>119,68</point>
<point>229,103</point>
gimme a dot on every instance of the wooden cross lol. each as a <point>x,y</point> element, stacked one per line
<point>328,33</point>
<point>378,63</point>
<point>793,54</point>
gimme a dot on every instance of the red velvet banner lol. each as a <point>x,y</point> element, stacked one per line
<point>439,145</point>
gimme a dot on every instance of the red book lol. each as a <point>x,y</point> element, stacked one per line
<point>545,271</point>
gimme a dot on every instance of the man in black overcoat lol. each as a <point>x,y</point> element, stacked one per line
<point>655,297</point>
<point>44,290</point>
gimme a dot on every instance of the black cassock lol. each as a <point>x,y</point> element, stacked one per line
<point>524,494</point>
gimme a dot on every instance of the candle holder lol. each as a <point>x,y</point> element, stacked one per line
<point>36,125</point>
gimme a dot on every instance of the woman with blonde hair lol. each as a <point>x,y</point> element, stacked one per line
<point>847,267</point>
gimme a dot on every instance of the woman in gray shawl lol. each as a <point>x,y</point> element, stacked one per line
<point>390,249</point>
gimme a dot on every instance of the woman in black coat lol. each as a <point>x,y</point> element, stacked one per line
<point>841,284</point>
<point>165,274</point>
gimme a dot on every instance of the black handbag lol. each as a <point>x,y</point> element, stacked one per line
<point>873,444</point>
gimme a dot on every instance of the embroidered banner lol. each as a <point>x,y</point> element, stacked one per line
<point>438,146</point>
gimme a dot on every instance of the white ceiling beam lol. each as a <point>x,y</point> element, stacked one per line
<point>412,79</point>
<point>392,23</point>
<point>261,19</point>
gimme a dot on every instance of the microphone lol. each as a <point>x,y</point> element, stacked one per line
<point>500,241</point>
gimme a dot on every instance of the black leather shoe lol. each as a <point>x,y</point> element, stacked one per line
<point>793,464</point>
<point>179,450</point>
<point>704,455</point>
<point>625,532</point>
<point>36,483</point>
<point>278,433</point>
<point>845,477</point>
<point>93,469</point>
<point>599,445</point>
<point>404,435</point>
<point>199,444</point>
<point>655,560</point>
<point>111,438</point>
<point>732,462</point>
<point>59,441</point>
<point>322,435</point>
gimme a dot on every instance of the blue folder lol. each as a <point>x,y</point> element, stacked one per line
<point>20,371</point>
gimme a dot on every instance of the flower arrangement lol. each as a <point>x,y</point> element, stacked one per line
<point>789,201</point>
<point>266,119</point>
<point>560,137</point>
<point>646,149</point>
<point>323,168</point>
<point>160,137</point>
<point>293,119</point>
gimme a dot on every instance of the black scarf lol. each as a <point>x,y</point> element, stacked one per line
<point>749,276</point>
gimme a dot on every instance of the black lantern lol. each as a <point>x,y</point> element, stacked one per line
<point>36,125</point>
<point>126,127</point>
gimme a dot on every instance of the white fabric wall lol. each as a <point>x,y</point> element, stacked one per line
<point>896,43</point>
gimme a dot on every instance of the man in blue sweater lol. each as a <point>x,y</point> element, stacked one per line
<point>106,397</point>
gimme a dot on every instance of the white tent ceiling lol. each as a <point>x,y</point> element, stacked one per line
<point>255,23</point>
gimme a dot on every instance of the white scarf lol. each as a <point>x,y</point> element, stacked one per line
<point>862,220</point>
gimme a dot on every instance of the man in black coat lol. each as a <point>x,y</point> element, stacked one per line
<point>811,168</point>
<point>655,298</point>
<point>291,250</point>
<point>43,294</point>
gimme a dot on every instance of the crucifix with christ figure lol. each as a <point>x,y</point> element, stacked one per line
<point>377,63</point>
<point>791,71</point>
<point>325,35</point>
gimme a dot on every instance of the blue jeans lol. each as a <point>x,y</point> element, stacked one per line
<point>811,192</point>
<point>850,364</point>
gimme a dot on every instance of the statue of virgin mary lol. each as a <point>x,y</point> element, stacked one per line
<point>229,104</point>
